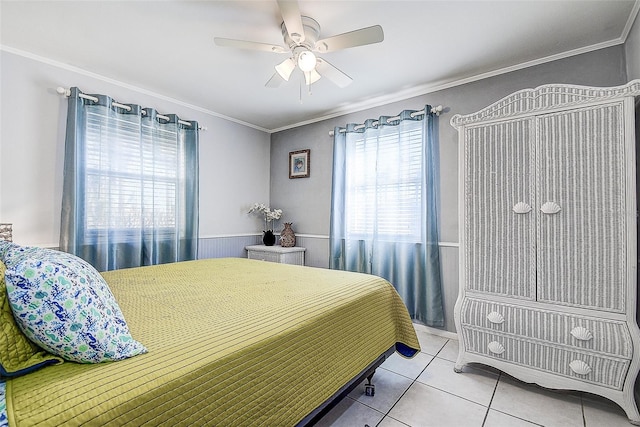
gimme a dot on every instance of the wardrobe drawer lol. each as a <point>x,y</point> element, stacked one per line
<point>598,335</point>
<point>581,365</point>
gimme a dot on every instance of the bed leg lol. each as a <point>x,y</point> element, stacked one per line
<point>370,389</point>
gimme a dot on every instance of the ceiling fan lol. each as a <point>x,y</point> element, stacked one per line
<point>302,40</point>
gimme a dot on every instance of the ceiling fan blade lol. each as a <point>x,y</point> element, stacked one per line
<point>275,81</point>
<point>361,37</point>
<point>332,73</point>
<point>292,19</point>
<point>243,44</point>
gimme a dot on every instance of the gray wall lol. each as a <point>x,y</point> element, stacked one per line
<point>32,130</point>
<point>632,51</point>
<point>307,201</point>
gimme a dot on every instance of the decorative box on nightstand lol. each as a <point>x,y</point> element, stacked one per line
<point>278,254</point>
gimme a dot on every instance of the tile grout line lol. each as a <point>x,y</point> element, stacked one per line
<point>500,375</point>
<point>413,381</point>
<point>450,392</point>
<point>495,388</point>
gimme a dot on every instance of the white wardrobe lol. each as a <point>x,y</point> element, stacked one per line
<point>548,250</point>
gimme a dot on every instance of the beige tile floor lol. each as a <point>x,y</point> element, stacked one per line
<point>424,391</point>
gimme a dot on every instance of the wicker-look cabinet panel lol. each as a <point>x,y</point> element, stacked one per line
<point>581,256</point>
<point>500,160</point>
<point>548,239</point>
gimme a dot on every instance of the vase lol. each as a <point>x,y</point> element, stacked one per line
<point>268,238</point>
<point>287,236</point>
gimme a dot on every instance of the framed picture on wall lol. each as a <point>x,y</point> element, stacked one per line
<point>299,164</point>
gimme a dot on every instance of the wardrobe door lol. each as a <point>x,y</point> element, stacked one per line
<point>499,222</point>
<point>581,208</point>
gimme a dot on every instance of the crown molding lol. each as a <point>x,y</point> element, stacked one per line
<point>357,106</point>
<point>128,86</point>
<point>430,88</point>
<point>632,18</point>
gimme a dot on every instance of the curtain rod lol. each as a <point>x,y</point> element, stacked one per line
<point>67,92</point>
<point>434,110</point>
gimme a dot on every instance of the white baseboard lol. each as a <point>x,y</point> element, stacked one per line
<point>436,331</point>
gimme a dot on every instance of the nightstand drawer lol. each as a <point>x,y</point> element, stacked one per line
<point>277,254</point>
<point>264,256</point>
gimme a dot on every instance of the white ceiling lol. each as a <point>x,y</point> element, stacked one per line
<point>166,47</point>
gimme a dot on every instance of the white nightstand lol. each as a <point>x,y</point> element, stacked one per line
<point>276,253</point>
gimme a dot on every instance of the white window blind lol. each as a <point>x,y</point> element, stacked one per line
<point>384,184</point>
<point>131,175</point>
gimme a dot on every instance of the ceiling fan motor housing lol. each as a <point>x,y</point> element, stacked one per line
<point>311,34</point>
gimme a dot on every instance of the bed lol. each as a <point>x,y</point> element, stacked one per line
<point>230,342</point>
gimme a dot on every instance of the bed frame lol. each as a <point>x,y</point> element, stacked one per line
<point>330,403</point>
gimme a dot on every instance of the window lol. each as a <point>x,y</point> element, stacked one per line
<point>384,213</point>
<point>131,175</point>
<point>130,192</point>
<point>384,184</point>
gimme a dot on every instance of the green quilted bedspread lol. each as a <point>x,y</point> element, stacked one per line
<point>231,342</point>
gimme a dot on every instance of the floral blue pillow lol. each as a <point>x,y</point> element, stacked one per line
<point>4,422</point>
<point>64,305</point>
<point>5,246</point>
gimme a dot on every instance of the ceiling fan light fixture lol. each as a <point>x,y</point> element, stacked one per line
<point>285,68</point>
<point>307,61</point>
<point>311,77</point>
<point>301,37</point>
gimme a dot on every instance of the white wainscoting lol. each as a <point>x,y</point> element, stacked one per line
<point>226,246</point>
<point>316,255</point>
